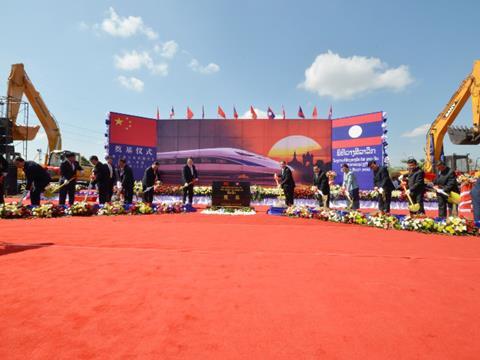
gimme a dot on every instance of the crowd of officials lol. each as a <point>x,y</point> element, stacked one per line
<point>119,180</point>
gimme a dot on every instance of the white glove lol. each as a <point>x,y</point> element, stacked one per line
<point>380,190</point>
<point>407,192</point>
<point>186,184</point>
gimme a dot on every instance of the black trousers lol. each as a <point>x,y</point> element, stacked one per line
<point>355,196</point>
<point>35,192</point>
<point>384,201</point>
<point>2,191</point>
<point>128,194</point>
<point>289,194</point>
<point>188,191</point>
<point>102,193</point>
<point>320,200</point>
<point>443,204</point>
<point>67,190</point>
<point>148,196</point>
<point>418,199</point>
<point>109,189</point>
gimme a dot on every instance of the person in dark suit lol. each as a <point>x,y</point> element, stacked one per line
<point>150,177</point>
<point>475,194</point>
<point>37,178</point>
<point>125,175</point>
<point>321,186</point>
<point>383,184</point>
<point>189,178</point>
<point>100,179</point>
<point>111,176</point>
<point>68,172</point>
<point>3,176</point>
<point>416,183</point>
<point>445,180</point>
<point>287,183</point>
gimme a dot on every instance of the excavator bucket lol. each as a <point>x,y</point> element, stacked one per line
<point>463,135</point>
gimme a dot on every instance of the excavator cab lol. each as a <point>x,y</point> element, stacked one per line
<point>462,135</point>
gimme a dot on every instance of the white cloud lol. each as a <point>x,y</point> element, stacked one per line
<point>134,60</point>
<point>117,25</point>
<point>207,70</point>
<point>418,131</point>
<point>131,83</point>
<point>167,49</point>
<point>343,78</point>
<point>260,114</point>
<point>159,69</point>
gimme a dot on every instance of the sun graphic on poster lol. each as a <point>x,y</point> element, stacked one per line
<point>299,144</point>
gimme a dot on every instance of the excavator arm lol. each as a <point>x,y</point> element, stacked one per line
<point>469,88</point>
<point>19,84</point>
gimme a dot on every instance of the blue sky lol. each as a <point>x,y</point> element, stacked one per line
<point>90,57</point>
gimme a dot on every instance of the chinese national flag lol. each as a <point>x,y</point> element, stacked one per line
<point>221,113</point>
<point>254,114</point>
<point>132,130</point>
<point>315,113</point>
<point>189,113</point>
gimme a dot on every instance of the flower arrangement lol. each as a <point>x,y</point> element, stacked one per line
<point>169,208</point>
<point>301,211</point>
<point>111,209</point>
<point>456,226</point>
<point>48,211</point>
<point>328,215</point>
<point>140,208</point>
<point>82,208</point>
<point>354,217</point>
<point>418,223</point>
<point>14,211</point>
<point>466,179</point>
<point>215,210</point>
<point>383,221</point>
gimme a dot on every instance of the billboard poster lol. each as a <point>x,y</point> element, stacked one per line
<point>356,140</point>
<point>133,138</point>
<point>243,150</point>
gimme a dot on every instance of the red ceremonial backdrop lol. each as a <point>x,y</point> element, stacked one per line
<point>222,149</point>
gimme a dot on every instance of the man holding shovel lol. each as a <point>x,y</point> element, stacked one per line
<point>321,186</point>
<point>416,186</point>
<point>383,184</point>
<point>350,188</point>
<point>68,176</point>
<point>189,178</point>
<point>445,182</point>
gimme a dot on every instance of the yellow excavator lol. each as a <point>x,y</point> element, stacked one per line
<point>19,84</point>
<point>469,88</point>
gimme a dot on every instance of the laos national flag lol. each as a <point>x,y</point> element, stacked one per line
<point>132,130</point>
<point>362,130</point>
<point>356,140</point>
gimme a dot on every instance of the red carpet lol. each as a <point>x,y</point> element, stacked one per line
<point>217,287</point>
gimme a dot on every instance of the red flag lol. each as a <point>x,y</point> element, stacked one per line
<point>300,113</point>
<point>189,113</point>
<point>254,114</point>
<point>283,112</point>
<point>315,113</point>
<point>158,114</point>
<point>235,114</point>
<point>132,130</point>
<point>221,113</point>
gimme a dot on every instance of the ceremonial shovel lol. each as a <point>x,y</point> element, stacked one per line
<point>414,208</point>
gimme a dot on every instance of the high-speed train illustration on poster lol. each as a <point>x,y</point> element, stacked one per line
<point>219,164</point>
